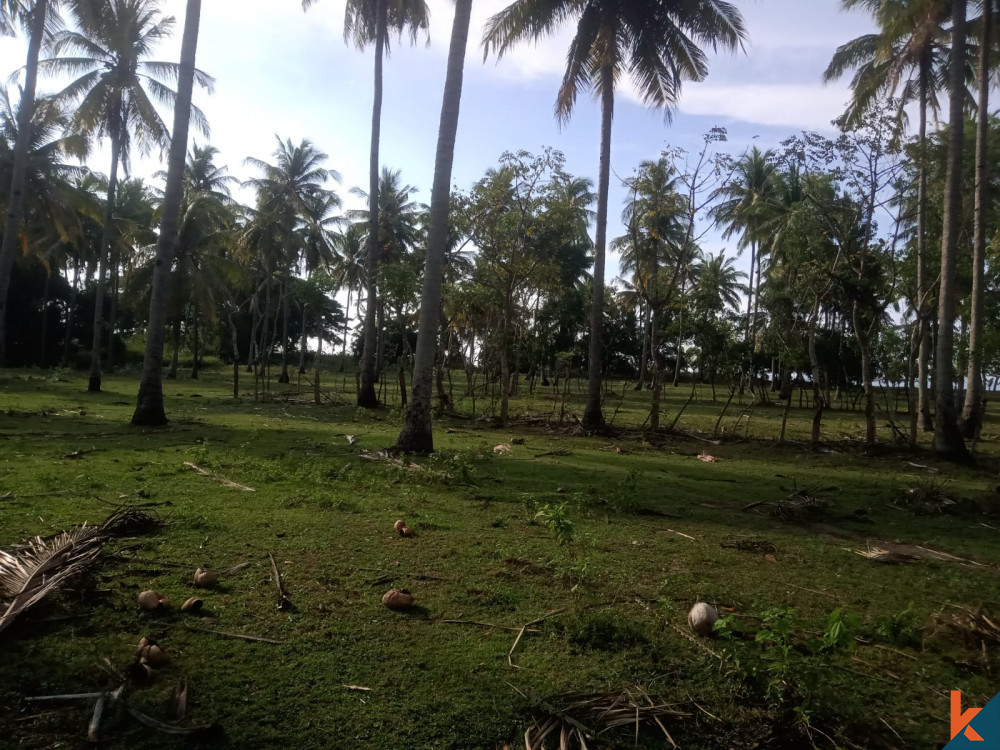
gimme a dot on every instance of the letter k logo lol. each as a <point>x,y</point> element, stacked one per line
<point>960,721</point>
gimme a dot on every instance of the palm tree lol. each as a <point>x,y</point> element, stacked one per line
<point>417,434</point>
<point>149,407</point>
<point>909,51</point>
<point>655,43</point>
<point>38,18</point>
<point>350,269</point>
<point>369,22</point>
<point>285,196</point>
<point>947,437</point>
<point>114,96</point>
<point>720,284</point>
<point>746,206</point>
<point>972,411</point>
<point>318,253</point>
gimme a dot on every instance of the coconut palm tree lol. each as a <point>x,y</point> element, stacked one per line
<point>948,440</point>
<point>908,55</point>
<point>416,434</point>
<point>972,411</point>
<point>149,407</point>
<point>285,199</point>
<point>747,203</point>
<point>349,269</point>
<point>39,17</point>
<point>318,254</point>
<point>114,97</point>
<point>369,22</point>
<point>653,42</point>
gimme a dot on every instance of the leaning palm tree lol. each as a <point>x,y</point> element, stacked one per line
<point>369,22</point>
<point>948,440</point>
<point>653,42</point>
<point>416,434</point>
<point>39,17</point>
<point>114,96</point>
<point>149,407</point>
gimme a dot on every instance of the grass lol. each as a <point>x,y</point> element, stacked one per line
<point>485,550</point>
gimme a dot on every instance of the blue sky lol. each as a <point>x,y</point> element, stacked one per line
<point>282,71</point>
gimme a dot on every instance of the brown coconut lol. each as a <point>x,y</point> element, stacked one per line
<point>406,531</point>
<point>398,599</point>
<point>399,526</point>
<point>192,605</point>
<point>155,657</point>
<point>702,618</point>
<point>204,578</point>
<point>152,600</point>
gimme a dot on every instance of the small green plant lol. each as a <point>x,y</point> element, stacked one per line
<point>837,633</point>
<point>625,496</point>
<point>899,629</point>
<point>557,520</point>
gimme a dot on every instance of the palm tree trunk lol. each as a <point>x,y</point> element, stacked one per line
<point>947,438</point>
<point>113,313</point>
<point>149,409</point>
<point>647,318</point>
<point>593,418</point>
<point>71,314</point>
<point>194,343</point>
<point>19,170</point>
<point>750,289</point>
<point>347,317</point>
<point>46,293</point>
<point>971,420</point>
<point>117,133</point>
<point>285,294</point>
<point>303,343</point>
<point>680,340</point>
<point>176,346</point>
<point>367,398</point>
<point>923,311</point>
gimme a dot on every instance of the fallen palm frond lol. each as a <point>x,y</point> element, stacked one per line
<point>800,506</point>
<point>578,717</point>
<point>35,569</point>
<point>760,546</point>
<point>386,457</point>
<point>218,478</point>
<point>975,627</point>
<point>885,556</point>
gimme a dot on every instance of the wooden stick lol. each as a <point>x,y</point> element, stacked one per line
<point>252,638</point>
<point>524,628</point>
<point>811,591</point>
<point>67,697</point>
<point>220,479</point>
<point>95,721</point>
<point>679,533</point>
<point>284,603</point>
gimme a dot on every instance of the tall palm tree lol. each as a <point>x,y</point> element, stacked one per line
<point>972,411</point>
<point>350,269</point>
<point>747,204</point>
<point>318,254</point>
<point>114,96</point>
<point>720,284</point>
<point>653,42</point>
<point>909,52</point>
<point>149,407</point>
<point>369,22</point>
<point>285,196</point>
<point>417,434</point>
<point>39,17</point>
<point>947,437</point>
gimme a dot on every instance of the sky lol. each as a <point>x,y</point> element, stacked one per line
<point>283,72</point>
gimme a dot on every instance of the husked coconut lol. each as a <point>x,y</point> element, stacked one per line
<point>398,599</point>
<point>192,605</point>
<point>151,600</point>
<point>155,656</point>
<point>702,618</point>
<point>204,578</point>
<point>399,526</point>
<point>406,531</point>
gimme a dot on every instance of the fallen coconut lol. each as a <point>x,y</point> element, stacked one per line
<point>702,618</point>
<point>204,578</point>
<point>406,531</point>
<point>155,656</point>
<point>399,526</point>
<point>140,673</point>
<point>152,601</point>
<point>398,599</point>
<point>192,605</point>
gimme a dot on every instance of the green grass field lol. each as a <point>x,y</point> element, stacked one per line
<point>621,535</point>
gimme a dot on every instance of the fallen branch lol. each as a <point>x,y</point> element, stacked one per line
<point>679,533</point>
<point>284,603</point>
<point>239,636</point>
<point>524,629</point>
<point>359,688</point>
<point>220,479</point>
<point>67,697</point>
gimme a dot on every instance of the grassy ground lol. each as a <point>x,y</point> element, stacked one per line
<point>643,533</point>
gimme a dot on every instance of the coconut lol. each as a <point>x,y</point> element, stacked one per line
<point>399,526</point>
<point>702,618</point>
<point>151,600</point>
<point>398,599</point>
<point>155,656</point>
<point>140,672</point>
<point>192,605</point>
<point>204,578</point>
<point>406,531</point>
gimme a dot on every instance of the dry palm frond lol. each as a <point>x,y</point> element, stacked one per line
<point>887,557</point>
<point>576,718</point>
<point>33,570</point>
<point>974,626</point>
<point>41,566</point>
<point>800,506</point>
